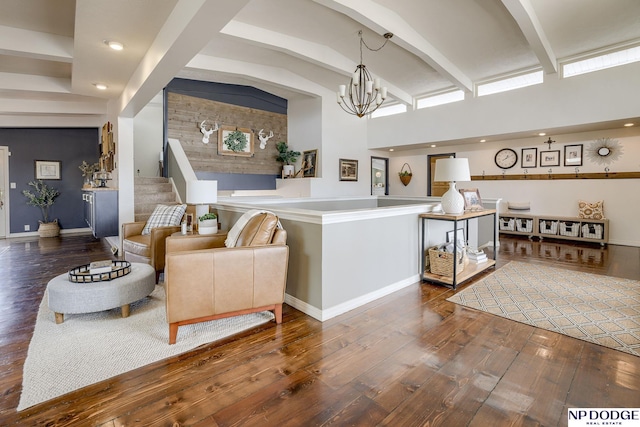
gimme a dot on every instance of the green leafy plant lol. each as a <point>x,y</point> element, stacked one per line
<point>285,155</point>
<point>405,173</point>
<point>42,197</point>
<point>207,216</point>
<point>236,141</point>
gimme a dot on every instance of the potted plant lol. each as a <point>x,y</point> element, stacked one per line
<point>43,197</point>
<point>208,223</point>
<point>405,174</point>
<point>287,157</point>
<point>87,172</point>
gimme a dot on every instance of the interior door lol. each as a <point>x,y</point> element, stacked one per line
<point>379,176</point>
<point>4,191</point>
<point>436,189</point>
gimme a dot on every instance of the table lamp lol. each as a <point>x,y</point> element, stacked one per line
<point>202,193</point>
<point>452,170</point>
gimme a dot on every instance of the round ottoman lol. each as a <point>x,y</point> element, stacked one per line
<point>65,297</point>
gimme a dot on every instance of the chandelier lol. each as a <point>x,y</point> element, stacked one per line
<point>365,94</point>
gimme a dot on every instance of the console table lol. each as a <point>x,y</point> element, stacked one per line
<point>471,269</point>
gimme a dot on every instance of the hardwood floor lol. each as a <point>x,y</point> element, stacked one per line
<point>409,359</point>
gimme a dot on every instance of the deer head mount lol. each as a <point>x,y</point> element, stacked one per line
<point>207,133</point>
<point>264,139</point>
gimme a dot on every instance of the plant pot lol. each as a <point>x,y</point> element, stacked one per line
<point>49,229</point>
<point>208,226</point>
<point>288,170</point>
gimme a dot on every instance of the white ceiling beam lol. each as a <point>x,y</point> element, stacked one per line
<point>275,76</point>
<point>34,44</point>
<point>526,18</point>
<point>27,82</point>
<point>314,53</point>
<point>382,20</point>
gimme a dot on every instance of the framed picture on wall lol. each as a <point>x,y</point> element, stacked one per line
<point>309,163</point>
<point>47,169</point>
<point>550,158</point>
<point>573,155</point>
<point>529,158</point>
<point>348,170</point>
<point>235,141</point>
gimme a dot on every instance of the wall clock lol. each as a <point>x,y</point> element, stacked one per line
<point>506,158</point>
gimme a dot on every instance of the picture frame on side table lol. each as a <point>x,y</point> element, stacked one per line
<point>550,158</point>
<point>309,163</point>
<point>460,238</point>
<point>472,199</point>
<point>573,155</point>
<point>348,170</point>
<point>47,169</point>
<point>529,158</point>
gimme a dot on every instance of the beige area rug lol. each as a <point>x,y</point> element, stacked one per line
<point>599,309</point>
<point>88,348</point>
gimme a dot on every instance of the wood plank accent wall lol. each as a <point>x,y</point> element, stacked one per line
<point>184,115</point>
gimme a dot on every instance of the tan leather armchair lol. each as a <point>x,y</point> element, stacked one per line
<point>149,248</point>
<point>204,280</point>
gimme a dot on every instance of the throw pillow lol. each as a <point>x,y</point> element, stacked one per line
<point>591,210</point>
<point>163,216</point>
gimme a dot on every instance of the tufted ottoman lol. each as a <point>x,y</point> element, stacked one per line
<point>74,298</point>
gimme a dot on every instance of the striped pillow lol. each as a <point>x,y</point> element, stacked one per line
<point>163,216</point>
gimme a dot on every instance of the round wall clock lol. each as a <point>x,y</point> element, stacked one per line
<point>506,158</point>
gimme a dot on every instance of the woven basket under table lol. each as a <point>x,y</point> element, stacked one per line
<point>441,263</point>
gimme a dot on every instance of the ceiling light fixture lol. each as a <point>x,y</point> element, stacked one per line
<point>365,93</point>
<point>628,125</point>
<point>100,86</point>
<point>541,134</point>
<point>483,140</point>
<point>113,44</point>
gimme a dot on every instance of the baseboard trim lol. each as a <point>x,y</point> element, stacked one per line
<point>346,306</point>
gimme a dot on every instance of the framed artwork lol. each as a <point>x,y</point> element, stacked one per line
<point>348,170</point>
<point>235,141</point>
<point>573,155</point>
<point>459,237</point>
<point>309,163</point>
<point>550,158</point>
<point>46,169</point>
<point>472,200</point>
<point>529,158</point>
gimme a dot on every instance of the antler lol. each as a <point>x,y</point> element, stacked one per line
<point>264,139</point>
<point>207,133</point>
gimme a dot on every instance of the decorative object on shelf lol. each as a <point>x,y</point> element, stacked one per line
<point>573,155</point>
<point>208,223</point>
<point>348,169</point>
<point>202,193</point>
<point>506,158</point>
<point>405,174</point>
<point>234,141</point>
<point>263,139</point>
<point>549,141</point>
<point>550,158</point>
<point>100,178</point>
<point>43,197</point>
<point>84,274</point>
<point>604,151</point>
<point>286,156</point>
<point>207,132</point>
<point>47,169</point>
<point>87,172</point>
<point>309,163</point>
<point>365,94</point>
<point>472,199</point>
<point>529,158</point>
<point>452,170</point>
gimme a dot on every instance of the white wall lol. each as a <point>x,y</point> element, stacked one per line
<point>147,135</point>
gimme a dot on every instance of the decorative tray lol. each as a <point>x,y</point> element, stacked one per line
<point>99,272</point>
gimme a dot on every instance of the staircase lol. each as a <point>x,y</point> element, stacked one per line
<point>149,192</point>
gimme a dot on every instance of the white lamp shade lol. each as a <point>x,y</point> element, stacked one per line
<point>452,169</point>
<point>202,192</point>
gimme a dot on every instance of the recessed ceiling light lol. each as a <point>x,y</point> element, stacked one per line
<point>433,145</point>
<point>628,125</point>
<point>100,86</point>
<point>114,45</point>
<point>542,134</point>
<point>390,149</point>
<point>483,140</point>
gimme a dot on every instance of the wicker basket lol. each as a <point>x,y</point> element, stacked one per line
<point>441,263</point>
<point>49,229</point>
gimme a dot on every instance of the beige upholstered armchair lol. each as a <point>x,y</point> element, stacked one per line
<point>206,280</point>
<point>148,248</point>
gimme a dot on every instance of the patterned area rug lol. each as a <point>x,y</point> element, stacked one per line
<point>88,348</point>
<point>599,309</point>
